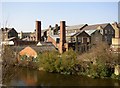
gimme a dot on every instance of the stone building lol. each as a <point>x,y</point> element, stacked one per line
<point>8,33</point>
<point>100,32</point>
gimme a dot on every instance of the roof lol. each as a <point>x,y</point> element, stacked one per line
<point>95,27</point>
<point>75,27</point>
<point>46,46</point>
<point>78,33</point>
<point>28,51</point>
<point>7,29</point>
<point>89,32</point>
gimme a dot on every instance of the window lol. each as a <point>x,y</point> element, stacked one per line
<point>57,40</point>
<point>105,31</point>
<point>84,40</point>
<point>79,39</point>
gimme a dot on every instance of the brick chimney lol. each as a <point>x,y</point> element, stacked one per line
<point>62,37</point>
<point>38,30</point>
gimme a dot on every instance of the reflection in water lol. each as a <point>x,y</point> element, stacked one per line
<point>28,77</point>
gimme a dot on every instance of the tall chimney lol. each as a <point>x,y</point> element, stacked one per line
<point>62,37</point>
<point>38,30</point>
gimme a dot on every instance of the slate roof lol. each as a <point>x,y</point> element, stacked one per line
<point>94,27</point>
<point>75,27</point>
<point>7,29</point>
<point>89,32</point>
<point>46,46</point>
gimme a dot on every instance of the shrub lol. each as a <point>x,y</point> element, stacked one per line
<point>115,76</point>
<point>54,62</point>
<point>100,59</point>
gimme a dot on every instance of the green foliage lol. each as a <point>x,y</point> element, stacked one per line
<point>115,76</point>
<point>54,62</point>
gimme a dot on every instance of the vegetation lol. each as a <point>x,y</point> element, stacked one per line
<point>98,62</point>
<point>8,57</point>
<point>54,62</point>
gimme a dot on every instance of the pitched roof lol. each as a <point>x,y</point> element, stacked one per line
<point>75,27</point>
<point>94,27</point>
<point>89,32</point>
<point>28,51</point>
<point>46,46</point>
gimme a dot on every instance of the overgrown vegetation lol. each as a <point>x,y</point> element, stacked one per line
<point>54,62</point>
<point>98,62</point>
<point>8,60</point>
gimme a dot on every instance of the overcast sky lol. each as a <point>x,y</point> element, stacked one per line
<point>22,15</point>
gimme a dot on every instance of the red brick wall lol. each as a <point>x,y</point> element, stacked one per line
<point>50,39</point>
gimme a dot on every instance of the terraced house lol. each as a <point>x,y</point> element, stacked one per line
<point>100,33</point>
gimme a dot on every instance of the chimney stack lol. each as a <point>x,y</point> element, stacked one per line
<point>38,30</point>
<point>62,37</point>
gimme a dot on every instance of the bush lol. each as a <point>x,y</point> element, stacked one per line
<point>99,60</point>
<point>54,62</point>
<point>115,76</point>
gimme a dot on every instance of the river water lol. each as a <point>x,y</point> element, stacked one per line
<point>28,77</point>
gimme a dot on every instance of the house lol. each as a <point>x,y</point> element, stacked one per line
<point>72,30</point>
<point>105,32</point>
<point>95,36</point>
<point>82,41</point>
<point>8,33</point>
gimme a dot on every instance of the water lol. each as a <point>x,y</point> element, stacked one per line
<point>28,77</point>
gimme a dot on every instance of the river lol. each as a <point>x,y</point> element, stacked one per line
<point>28,77</point>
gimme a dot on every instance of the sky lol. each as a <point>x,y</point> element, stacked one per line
<point>22,15</point>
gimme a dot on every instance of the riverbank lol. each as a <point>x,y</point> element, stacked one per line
<point>99,62</point>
